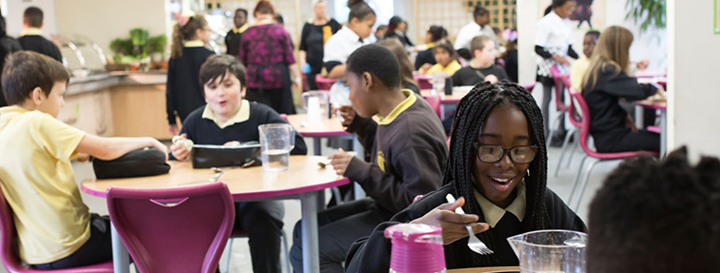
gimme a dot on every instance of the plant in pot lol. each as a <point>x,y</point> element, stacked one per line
<point>156,46</point>
<point>122,55</point>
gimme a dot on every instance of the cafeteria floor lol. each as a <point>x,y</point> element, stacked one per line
<point>241,253</point>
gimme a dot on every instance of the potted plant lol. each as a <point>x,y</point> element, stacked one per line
<point>156,46</point>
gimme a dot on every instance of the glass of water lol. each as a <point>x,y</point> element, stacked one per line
<point>438,81</point>
<point>276,142</point>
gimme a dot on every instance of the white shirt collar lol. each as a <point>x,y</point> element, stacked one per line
<point>492,213</point>
<point>351,35</point>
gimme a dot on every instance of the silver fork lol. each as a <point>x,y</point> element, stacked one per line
<point>474,243</point>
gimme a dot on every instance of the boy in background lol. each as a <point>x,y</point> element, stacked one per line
<point>577,71</point>
<point>31,38</point>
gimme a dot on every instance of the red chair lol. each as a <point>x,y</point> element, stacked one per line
<point>584,119</point>
<point>8,247</point>
<point>573,132</point>
<point>323,83</point>
<point>560,105</point>
<point>435,103</point>
<point>173,230</point>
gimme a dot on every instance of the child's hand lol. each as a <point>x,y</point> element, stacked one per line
<point>179,151</point>
<point>560,60</point>
<point>630,123</point>
<point>347,114</point>
<point>453,224</point>
<point>491,79</point>
<point>232,143</point>
<point>340,161</point>
<point>644,64</point>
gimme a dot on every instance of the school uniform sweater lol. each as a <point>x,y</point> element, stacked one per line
<point>408,155</point>
<point>244,128</point>
<point>40,45</point>
<point>372,254</point>
<point>232,40</point>
<point>607,117</point>
<point>472,76</point>
<point>183,88</point>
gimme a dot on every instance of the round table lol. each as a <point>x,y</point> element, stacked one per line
<point>302,181</point>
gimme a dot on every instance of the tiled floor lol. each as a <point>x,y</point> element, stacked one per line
<point>240,259</point>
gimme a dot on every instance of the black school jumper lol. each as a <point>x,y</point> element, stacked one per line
<point>408,159</point>
<point>372,254</point>
<point>261,221</point>
<point>184,92</point>
<point>40,45</point>
<point>471,76</point>
<point>607,117</point>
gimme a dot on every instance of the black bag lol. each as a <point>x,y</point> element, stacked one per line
<point>208,156</point>
<point>141,162</point>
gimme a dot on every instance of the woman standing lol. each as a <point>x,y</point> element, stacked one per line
<point>267,53</point>
<point>315,34</point>
<point>553,44</point>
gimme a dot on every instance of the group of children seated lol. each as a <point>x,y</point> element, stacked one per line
<point>648,217</point>
<point>496,165</point>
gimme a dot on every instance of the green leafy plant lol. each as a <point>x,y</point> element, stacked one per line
<point>651,13</point>
<point>121,46</point>
<point>157,44</point>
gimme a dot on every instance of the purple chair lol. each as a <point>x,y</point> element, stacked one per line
<point>435,103</point>
<point>323,83</point>
<point>560,105</point>
<point>584,120</point>
<point>8,245</point>
<point>174,230</point>
<point>529,87</point>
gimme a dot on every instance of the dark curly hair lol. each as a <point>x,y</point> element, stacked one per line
<point>657,216</point>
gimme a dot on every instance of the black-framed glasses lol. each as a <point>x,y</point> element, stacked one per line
<point>494,153</point>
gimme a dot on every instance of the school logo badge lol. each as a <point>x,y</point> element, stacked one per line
<point>381,161</point>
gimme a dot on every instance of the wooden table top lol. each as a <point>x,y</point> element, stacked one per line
<point>323,128</point>
<point>303,176</point>
<point>485,269</point>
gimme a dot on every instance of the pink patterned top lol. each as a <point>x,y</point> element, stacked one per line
<point>266,51</point>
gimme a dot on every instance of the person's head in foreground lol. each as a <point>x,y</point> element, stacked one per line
<point>35,82</point>
<point>657,216</point>
<point>372,73</point>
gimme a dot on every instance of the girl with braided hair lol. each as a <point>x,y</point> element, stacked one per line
<point>497,169</point>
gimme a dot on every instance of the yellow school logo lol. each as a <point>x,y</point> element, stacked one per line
<point>381,161</point>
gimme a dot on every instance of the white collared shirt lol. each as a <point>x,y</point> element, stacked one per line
<point>470,31</point>
<point>337,49</point>
<point>492,213</point>
<point>554,32</point>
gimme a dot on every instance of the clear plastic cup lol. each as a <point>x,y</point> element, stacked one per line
<point>276,142</point>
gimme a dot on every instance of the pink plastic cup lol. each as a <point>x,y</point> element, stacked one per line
<point>416,248</point>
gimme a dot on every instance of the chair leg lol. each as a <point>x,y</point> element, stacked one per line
<point>228,254</point>
<point>585,182</point>
<point>577,179</point>
<point>551,131</point>
<point>287,251</point>
<point>564,149</point>
<point>574,150</point>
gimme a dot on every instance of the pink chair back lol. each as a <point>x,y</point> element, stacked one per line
<point>323,83</point>
<point>424,81</point>
<point>529,87</point>
<point>560,80</point>
<point>188,235</point>
<point>583,118</point>
<point>435,103</point>
<point>8,247</point>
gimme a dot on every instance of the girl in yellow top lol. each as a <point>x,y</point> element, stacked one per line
<point>446,59</point>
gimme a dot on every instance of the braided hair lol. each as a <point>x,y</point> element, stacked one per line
<point>472,111</point>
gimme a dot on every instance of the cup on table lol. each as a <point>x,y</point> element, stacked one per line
<point>317,105</point>
<point>276,142</point>
<point>438,81</point>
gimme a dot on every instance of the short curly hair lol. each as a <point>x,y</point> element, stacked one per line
<point>657,216</point>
